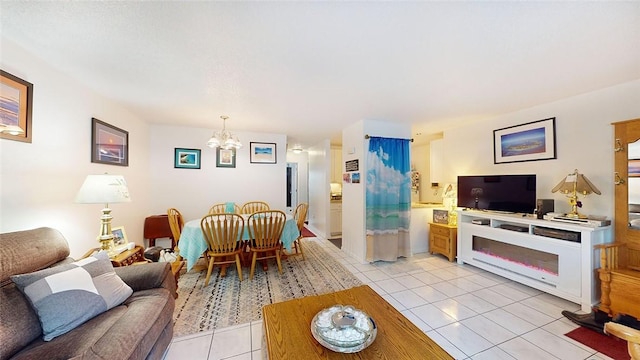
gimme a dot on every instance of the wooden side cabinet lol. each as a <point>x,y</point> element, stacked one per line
<point>129,257</point>
<point>443,239</point>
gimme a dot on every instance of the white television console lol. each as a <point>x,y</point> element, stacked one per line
<point>554,257</point>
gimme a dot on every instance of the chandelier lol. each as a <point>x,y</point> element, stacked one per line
<point>224,139</point>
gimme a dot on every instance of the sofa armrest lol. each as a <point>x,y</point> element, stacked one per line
<point>148,276</point>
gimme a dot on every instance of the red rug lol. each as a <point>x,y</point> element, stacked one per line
<point>609,345</point>
<point>307,233</point>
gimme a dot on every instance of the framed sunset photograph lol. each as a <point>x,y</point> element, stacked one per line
<point>109,144</point>
<point>16,104</point>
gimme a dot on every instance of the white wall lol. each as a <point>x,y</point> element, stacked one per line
<point>353,195</point>
<point>584,139</point>
<point>39,180</point>
<point>193,191</point>
<point>319,179</point>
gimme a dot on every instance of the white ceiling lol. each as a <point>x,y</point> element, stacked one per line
<point>309,69</point>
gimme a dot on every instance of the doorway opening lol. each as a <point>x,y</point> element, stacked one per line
<point>292,187</point>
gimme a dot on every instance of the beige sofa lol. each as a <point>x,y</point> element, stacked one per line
<point>139,328</point>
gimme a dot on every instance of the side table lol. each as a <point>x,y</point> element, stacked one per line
<point>443,239</point>
<point>157,226</point>
<point>129,257</point>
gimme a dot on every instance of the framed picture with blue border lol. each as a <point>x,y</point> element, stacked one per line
<point>186,158</point>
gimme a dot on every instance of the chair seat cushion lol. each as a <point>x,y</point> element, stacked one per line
<point>68,295</point>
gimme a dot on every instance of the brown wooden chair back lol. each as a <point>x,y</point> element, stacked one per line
<point>265,229</point>
<point>223,232</point>
<point>222,209</point>
<point>254,206</point>
<point>176,223</point>
<point>301,215</point>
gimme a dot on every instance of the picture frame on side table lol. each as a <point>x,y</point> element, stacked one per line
<point>262,153</point>
<point>16,107</point>
<point>120,239</point>
<point>109,144</point>
<point>186,158</point>
<point>225,158</point>
<point>440,216</point>
<point>531,141</point>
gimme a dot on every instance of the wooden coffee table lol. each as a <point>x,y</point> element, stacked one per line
<point>287,329</point>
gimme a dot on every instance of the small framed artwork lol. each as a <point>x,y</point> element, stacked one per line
<point>532,141</point>
<point>262,153</point>
<point>225,158</point>
<point>440,216</point>
<point>119,237</point>
<point>16,106</point>
<point>355,178</point>
<point>634,168</point>
<point>186,158</point>
<point>109,144</point>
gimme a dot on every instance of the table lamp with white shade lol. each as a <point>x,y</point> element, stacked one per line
<point>104,189</point>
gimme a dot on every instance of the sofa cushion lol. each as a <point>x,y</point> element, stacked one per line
<point>129,331</point>
<point>30,250</point>
<point>68,295</point>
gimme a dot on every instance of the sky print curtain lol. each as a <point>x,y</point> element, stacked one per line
<point>388,199</point>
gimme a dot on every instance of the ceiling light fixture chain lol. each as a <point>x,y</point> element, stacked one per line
<point>224,139</point>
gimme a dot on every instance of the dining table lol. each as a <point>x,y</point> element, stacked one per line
<point>193,244</point>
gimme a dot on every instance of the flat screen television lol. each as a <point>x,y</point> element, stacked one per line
<point>509,193</point>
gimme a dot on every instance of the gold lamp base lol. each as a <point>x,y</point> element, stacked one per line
<point>573,201</point>
<point>106,236</point>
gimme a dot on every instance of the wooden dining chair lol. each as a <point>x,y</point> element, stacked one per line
<point>176,223</point>
<point>254,206</point>
<point>223,233</point>
<point>300,215</point>
<point>626,333</point>
<point>265,229</point>
<point>222,208</point>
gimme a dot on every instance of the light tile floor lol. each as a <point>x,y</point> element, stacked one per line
<point>471,313</point>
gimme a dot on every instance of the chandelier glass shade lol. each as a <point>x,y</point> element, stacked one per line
<point>224,139</point>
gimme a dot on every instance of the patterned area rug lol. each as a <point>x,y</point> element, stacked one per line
<point>227,301</point>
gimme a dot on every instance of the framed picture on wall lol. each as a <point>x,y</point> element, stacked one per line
<point>186,158</point>
<point>16,107</point>
<point>532,141</point>
<point>225,158</point>
<point>634,168</point>
<point>109,144</point>
<point>262,153</point>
